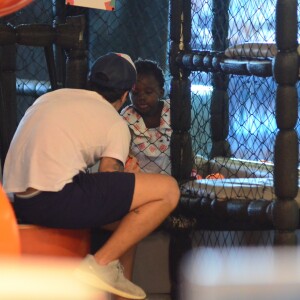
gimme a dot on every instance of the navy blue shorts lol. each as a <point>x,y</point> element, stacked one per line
<point>90,201</point>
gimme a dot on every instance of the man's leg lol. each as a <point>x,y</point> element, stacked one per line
<point>126,260</point>
<point>155,197</point>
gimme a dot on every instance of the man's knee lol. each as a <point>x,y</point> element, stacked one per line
<point>157,186</point>
<point>172,191</point>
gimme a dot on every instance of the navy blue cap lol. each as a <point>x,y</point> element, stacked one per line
<point>113,70</point>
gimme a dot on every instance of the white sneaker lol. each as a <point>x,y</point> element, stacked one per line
<point>109,278</point>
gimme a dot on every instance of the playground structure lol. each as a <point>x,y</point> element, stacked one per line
<point>259,192</point>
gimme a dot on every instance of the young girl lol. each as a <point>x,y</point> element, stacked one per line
<point>148,118</point>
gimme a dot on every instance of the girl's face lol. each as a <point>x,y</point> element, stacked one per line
<point>146,94</point>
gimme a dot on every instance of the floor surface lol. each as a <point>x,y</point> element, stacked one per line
<point>159,297</point>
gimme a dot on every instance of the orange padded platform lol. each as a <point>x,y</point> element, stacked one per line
<point>9,234</point>
<point>38,240</point>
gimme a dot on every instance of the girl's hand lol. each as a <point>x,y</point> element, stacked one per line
<point>132,165</point>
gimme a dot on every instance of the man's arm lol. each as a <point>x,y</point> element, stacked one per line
<point>108,164</point>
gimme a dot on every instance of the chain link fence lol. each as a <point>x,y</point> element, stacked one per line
<point>233,125</point>
<point>138,28</point>
<point>252,125</point>
<point>226,94</point>
<point>141,29</point>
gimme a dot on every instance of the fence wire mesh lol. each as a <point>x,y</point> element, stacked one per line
<point>252,125</point>
<point>138,28</point>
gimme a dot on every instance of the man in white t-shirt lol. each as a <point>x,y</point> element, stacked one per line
<point>62,134</point>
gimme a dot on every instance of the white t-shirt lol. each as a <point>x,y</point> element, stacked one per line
<point>62,133</point>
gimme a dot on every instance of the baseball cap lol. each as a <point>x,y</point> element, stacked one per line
<point>113,70</point>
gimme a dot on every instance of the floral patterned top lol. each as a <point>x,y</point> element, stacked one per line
<point>151,146</point>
